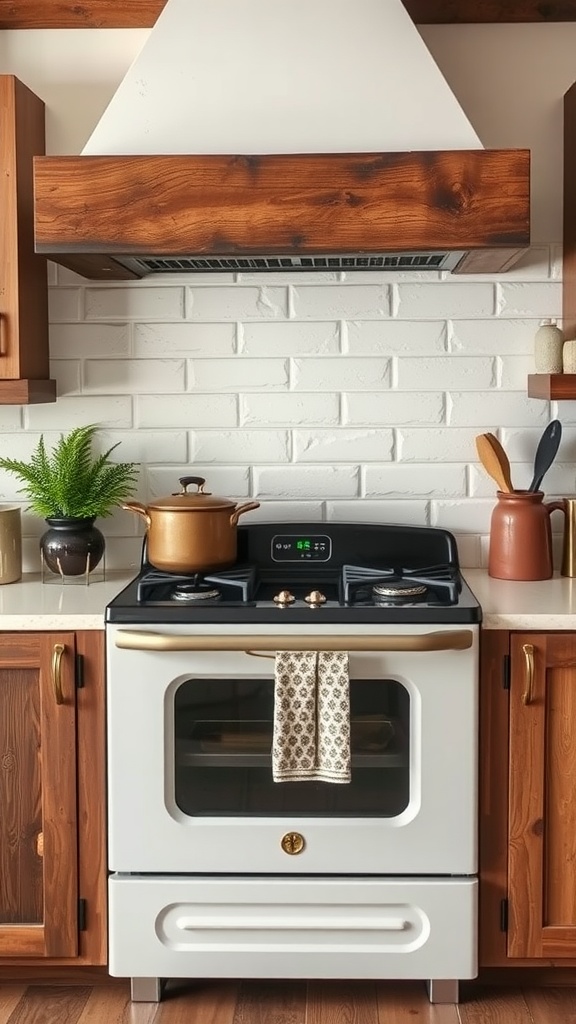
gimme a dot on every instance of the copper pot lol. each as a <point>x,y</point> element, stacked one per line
<point>191,532</point>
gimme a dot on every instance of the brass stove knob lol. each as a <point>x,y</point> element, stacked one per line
<point>315,599</point>
<point>284,598</point>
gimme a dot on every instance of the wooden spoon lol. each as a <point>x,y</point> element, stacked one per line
<point>495,461</point>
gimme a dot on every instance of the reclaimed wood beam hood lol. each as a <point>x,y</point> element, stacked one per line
<point>112,217</point>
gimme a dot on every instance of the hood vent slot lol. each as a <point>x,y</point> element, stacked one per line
<point>369,261</point>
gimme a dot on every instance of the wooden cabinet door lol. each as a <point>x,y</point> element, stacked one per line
<point>542,796</point>
<point>38,826</point>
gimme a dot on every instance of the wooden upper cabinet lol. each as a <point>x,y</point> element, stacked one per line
<point>24,369</point>
<point>38,816</point>
<point>542,804</point>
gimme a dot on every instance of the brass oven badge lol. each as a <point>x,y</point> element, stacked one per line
<point>292,843</point>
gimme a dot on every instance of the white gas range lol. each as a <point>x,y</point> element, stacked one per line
<point>218,871</point>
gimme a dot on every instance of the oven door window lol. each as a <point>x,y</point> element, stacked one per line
<point>223,763</point>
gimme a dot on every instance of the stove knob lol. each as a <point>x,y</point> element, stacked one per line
<point>315,599</point>
<point>284,598</point>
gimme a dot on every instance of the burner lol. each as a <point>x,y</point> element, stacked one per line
<point>193,592</point>
<point>397,591</point>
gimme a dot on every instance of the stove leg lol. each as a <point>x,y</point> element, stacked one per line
<point>145,990</point>
<point>443,991</point>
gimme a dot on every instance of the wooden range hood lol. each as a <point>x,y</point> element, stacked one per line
<point>122,217</point>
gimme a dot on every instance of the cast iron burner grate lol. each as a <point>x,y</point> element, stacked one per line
<point>440,581</point>
<point>232,585</point>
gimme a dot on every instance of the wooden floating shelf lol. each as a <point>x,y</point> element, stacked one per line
<point>27,392</point>
<point>559,386</point>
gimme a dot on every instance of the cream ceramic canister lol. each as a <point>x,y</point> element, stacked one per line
<point>569,356</point>
<point>548,348</point>
<point>10,544</point>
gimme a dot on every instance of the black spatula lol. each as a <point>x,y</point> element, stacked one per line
<point>546,453</point>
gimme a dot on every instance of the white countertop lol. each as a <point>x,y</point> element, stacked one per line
<point>510,604</point>
<point>31,604</point>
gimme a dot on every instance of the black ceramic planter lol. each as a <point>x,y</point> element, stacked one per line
<point>72,547</point>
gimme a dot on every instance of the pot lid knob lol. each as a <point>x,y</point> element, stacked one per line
<point>185,482</point>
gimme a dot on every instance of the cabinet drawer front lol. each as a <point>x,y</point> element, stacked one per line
<point>293,928</point>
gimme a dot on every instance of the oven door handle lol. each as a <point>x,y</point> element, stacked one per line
<point>443,640</point>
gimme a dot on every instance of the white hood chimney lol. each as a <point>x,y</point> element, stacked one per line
<point>266,76</point>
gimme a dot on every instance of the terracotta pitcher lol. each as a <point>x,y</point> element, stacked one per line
<point>521,537</point>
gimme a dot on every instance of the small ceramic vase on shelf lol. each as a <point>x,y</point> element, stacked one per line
<point>548,348</point>
<point>569,356</point>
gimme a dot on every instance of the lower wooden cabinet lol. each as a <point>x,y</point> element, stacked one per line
<point>52,785</point>
<point>528,799</point>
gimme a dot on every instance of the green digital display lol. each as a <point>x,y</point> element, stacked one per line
<point>303,545</point>
<point>292,548</point>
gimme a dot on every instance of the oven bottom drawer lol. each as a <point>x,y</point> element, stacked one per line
<point>234,927</point>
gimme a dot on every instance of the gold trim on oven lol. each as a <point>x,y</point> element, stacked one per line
<point>444,640</point>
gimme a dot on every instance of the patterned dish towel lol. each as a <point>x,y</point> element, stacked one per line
<point>311,717</point>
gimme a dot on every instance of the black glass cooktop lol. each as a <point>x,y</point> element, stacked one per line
<point>305,573</point>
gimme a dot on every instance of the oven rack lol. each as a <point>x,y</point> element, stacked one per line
<point>189,755</point>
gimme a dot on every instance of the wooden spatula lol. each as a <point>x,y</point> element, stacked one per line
<point>495,461</point>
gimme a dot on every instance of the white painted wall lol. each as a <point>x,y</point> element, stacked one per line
<point>324,396</point>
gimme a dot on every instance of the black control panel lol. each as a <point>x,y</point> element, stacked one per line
<point>315,547</point>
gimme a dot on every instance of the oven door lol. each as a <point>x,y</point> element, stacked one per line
<point>189,755</point>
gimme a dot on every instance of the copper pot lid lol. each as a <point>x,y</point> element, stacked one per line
<point>199,501</point>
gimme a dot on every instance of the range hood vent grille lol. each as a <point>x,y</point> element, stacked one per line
<point>367,261</point>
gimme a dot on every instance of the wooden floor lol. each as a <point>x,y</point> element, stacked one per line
<point>255,1002</point>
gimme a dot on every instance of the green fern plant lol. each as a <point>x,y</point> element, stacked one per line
<point>69,481</point>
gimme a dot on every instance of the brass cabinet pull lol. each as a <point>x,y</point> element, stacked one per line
<point>528,694</point>
<point>57,672</point>
<point>445,640</point>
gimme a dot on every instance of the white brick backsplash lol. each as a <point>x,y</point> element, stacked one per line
<point>123,553</point>
<point>286,511</point>
<point>423,481</point>
<point>64,304</point>
<point>470,516</point>
<point>187,411</point>
<point>153,340</point>
<point>448,372</point>
<point>10,418</point>
<point>239,374</point>
<point>225,481</point>
<point>469,550</point>
<point>138,302</point>
<point>445,300</point>
<point>237,303</point>
<point>340,374</point>
<point>343,445</point>
<point>394,337</point>
<point>392,408</point>
<point>67,374</point>
<point>306,482</point>
<point>67,413</point>
<point>445,444</point>
<point>492,337</point>
<point>494,409</point>
<point>144,446</point>
<point>289,277</point>
<point>412,513</point>
<point>135,376</point>
<point>305,390</point>
<point>539,300</point>
<point>289,409</point>
<point>560,480</point>
<point>564,411</point>
<point>481,485</point>
<point>513,371</point>
<point>80,341</point>
<point>362,301</point>
<point>290,339</point>
<point>245,446</point>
